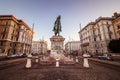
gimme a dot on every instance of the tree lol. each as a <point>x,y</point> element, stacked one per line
<point>114,46</point>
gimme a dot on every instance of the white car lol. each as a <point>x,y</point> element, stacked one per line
<point>86,55</point>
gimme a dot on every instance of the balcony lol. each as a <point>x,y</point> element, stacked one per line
<point>3,32</point>
<point>85,44</point>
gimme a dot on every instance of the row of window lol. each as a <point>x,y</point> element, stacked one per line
<point>10,44</point>
<point>7,23</point>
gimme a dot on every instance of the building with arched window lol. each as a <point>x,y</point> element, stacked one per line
<point>96,36</point>
<point>15,36</point>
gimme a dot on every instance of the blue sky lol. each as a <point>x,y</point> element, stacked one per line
<point>43,14</point>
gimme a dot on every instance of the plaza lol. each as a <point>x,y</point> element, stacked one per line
<point>15,70</point>
<point>59,40</point>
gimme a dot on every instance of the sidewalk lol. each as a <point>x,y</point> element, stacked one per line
<point>11,61</point>
<point>106,61</point>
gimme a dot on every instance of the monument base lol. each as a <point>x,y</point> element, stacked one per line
<point>62,58</point>
<point>57,44</point>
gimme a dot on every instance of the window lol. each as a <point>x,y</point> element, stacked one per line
<point>17,38</point>
<point>13,31</point>
<point>100,37</point>
<point>19,27</point>
<point>93,32</point>
<point>94,39</point>
<point>4,30</point>
<point>11,44</point>
<point>98,30</point>
<point>1,43</point>
<point>118,26</point>
<point>108,27</point>
<point>107,23</point>
<point>14,25</point>
<point>96,51</point>
<point>3,36</point>
<point>14,45</point>
<point>110,36</point>
<point>11,37</point>
<point>7,23</point>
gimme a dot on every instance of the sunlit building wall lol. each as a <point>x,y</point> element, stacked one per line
<point>15,36</point>
<point>86,38</point>
<point>72,46</point>
<point>39,47</point>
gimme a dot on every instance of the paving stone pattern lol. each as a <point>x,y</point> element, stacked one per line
<point>64,72</point>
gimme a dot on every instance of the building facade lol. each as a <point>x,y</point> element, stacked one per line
<point>103,32</point>
<point>39,47</point>
<point>72,46</point>
<point>96,36</point>
<point>116,25</point>
<point>15,36</point>
<point>86,38</point>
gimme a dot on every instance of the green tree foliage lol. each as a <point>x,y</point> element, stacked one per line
<point>114,46</point>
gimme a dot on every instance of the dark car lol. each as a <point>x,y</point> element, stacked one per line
<point>105,56</point>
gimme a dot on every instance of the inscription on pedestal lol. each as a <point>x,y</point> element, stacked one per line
<point>57,43</point>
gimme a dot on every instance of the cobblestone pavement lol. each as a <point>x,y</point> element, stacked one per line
<point>64,72</point>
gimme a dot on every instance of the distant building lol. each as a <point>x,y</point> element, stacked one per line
<point>72,46</point>
<point>15,36</point>
<point>39,47</point>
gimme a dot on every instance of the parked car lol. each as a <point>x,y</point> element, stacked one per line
<point>12,55</point>
<point>105,56</point>
<point>24,55</point>
<point>20,55</point>
<point>86,55</point>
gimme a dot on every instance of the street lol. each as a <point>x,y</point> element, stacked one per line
<point>17,71</point>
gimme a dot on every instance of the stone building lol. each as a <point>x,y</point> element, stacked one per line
<point>15,36</point>
<point>72,46</point>
<point>86,38</point>
<point>96,35</point>
<point>116,25</point>
<point>39,47</point>
<point>103,32</point>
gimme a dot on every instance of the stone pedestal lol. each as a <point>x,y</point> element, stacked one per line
<point>86,64</point>
<point>57,62</point>
<point>29,62</point>
<point>57,44</point>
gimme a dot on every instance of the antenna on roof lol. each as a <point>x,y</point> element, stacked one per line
<point>33,27</point>
<point>80,26</point>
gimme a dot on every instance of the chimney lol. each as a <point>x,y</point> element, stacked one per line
<point>116,15</point>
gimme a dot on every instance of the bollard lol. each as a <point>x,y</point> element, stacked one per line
<point>28,64</point>
<point>76,60</point>
<point>36,59</point>
<point>86,64</point>
<point>57,62</point>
